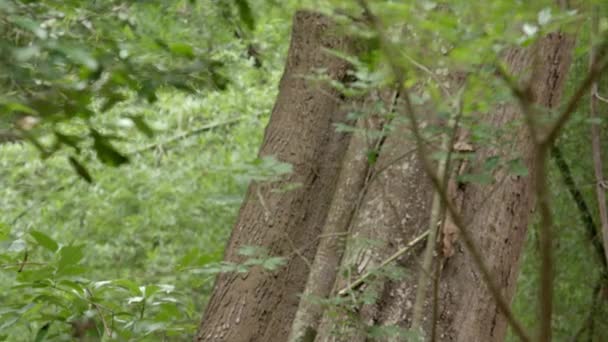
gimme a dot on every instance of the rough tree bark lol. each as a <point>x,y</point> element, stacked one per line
<point>500,221</point>
<point>260,305</point>
<point>397,209</point>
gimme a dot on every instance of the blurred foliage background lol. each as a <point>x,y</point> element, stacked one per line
<point>129,132</point>
<point>136,82</point>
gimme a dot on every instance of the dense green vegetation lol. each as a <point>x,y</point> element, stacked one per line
<point>115,208</point>
<point>136,244</point>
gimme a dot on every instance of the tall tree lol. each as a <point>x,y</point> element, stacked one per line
<point>389,201</point>
<point>259,306</point>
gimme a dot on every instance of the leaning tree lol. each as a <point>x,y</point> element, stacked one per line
<point>411,217</point>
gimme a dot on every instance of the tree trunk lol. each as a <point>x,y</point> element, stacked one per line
<point>260,305</point>
<point>395,208</point>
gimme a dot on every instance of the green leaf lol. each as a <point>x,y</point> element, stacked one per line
<point>273,263</point>
<point>189,258</point>
<point>9,322</point>
<point>44,240</point>
<point>517,167</point>
<point>42,332</point>
<point>142,126</point>
<point>478,178</point>
<point>491,163</point>
<point>372,156</point>
<point>5,231</point>
<point>69,140</point>
<point>80,169</point>
<point>182,49</point>
<point>70,255</point>
<point>72,285</point>
<point>245,13</point>
<point>30,25</point>
<point>128,285</point>
<point>252,251</point>
<point>105,151</point>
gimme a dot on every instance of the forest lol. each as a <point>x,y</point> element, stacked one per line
<point>303,171</point>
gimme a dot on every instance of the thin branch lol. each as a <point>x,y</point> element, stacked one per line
<point>436,216</point>
<point>446,91</point>
<point>435,314</point>
<point>106,328</point>
<point>601,98</point>
<point>359,281</point>
<point>188,134</point>
<point>596,299</point>
<point>595,71</point>
<point>501,303</point>
<point>596,142</point>
<point>296,251</point>
<point>22,264</point>
<point>585,214</point>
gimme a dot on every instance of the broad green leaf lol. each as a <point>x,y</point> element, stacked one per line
<point>478,178</point>
<point>128,285</point>
<point>491,163</point>
<point>190,258</point>
<point>70,255</point>
<point>69,271</point>
<point>517,167</point>
<point>252,251</point>
<point>182,49</point>
<point>44,240</point>
<point>5,231</point>
<point>273,263</point>
<point>72,285</point>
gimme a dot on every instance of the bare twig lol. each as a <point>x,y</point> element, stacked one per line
<point>188,134</point>
<point>353,285</point>
<point>436,215</point>
<point>601,98</point>
<point>296,251</point>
